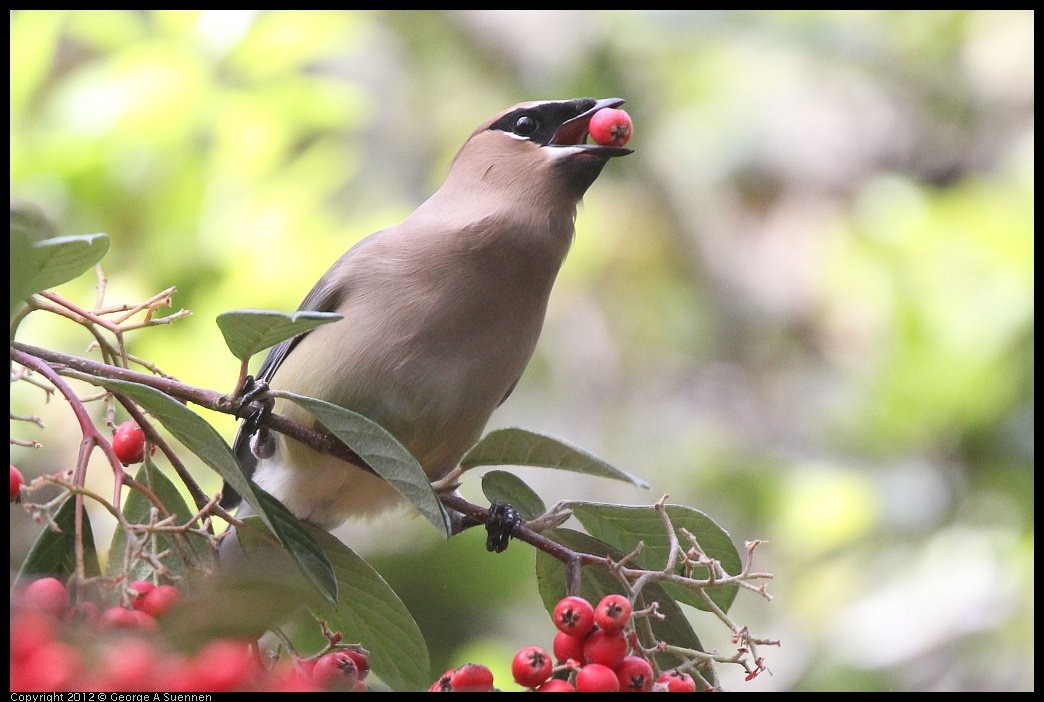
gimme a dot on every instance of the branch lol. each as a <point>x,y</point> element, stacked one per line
<point>73,366</point>
<point>522,533</point>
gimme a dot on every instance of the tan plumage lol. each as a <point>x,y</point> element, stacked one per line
<point>441,313</point>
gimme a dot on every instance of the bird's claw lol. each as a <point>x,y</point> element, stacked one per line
<point>253,391</point>
<point>503,521</point>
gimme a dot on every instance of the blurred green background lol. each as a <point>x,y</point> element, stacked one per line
<point>804,305</point>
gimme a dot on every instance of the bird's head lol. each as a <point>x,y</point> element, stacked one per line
<point>537,151</point>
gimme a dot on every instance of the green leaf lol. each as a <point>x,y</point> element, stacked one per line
<point>370,612</point>
<point>29,225</point>
<point>294,536</point>
<point>248,331</point>
<point>596,583</point>
<point>501,486</point>
<point>201,439</point>
<point>54,552</point>
<point>65,258</point>
<point>41,265</point>
<point>382,452</point>
<point>21,275</point>
<point>519,447</point>
<point>623,526</point>
<point>137,509</point>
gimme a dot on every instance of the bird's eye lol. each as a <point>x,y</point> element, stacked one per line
<point>525,125</point>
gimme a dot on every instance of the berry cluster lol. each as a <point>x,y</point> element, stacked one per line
<point>591,644</point>
<point>591,648</point>
<point>58,647</point>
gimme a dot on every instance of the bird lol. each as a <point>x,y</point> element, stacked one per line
<point>441,313</point>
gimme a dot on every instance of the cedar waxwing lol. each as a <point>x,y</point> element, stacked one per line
<point>441,313</point>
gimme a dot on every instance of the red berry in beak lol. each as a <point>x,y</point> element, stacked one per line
<point>610,127</point>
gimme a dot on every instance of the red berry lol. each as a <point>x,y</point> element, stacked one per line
<point>122,618</point>
<point>568,647</point>
<point>443,684</point>
<point>613,612</point>
<point>144,621</point>
<point>224,665</point>
<point>596,678</point>
<point>129,665</point>
<point>677,681</point>
<point>161,600</point>
<point>531,666</point>
<point>574,615</point>
<point>607,648</point>
<point>635,674</point>
<point>138,590</point>
<point>30,630</point>
<point>472,677</point>
<point>305,666</point>
<point>17,481</point>
<point>47,595</point>
<point>53,666</point>
<point>176,673</point>
<point>362,663</point>
<point>129,443</point>
<point>610,127</point>
<point>119,618</point>
<point>556,685</point>
<point>336,671</point>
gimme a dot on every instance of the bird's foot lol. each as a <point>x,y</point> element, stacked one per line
<point>253,391</point>
<point>503,521</point>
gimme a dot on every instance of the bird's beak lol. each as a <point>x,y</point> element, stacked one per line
<point>574,132</point>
